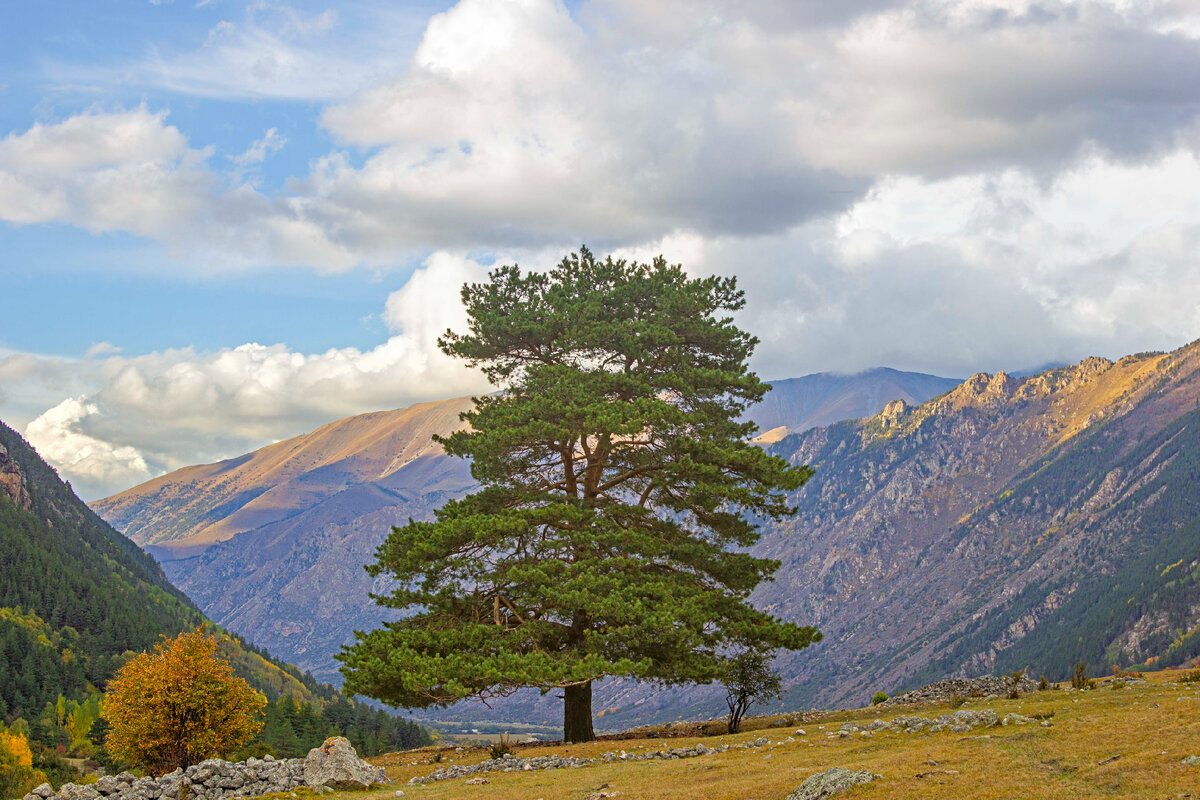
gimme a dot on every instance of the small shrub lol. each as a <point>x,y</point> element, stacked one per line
<point>1015,677</point>
<point>879,698</point>
<point>1042,715</point>
<point>1079,678</point>
<point>1125,673</point>
<point>502,748</point>
<point>1191,677</point>
<point>957,701</point>
<point>1043,684</point>
<point>748,678</point>
<point>179,705</point>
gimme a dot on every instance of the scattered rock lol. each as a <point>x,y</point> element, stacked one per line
<point>1017,719</point>
<point>477,781</point>
<point>1191,761</point>
<point>960,721</point>
<point>335,765</point>
<point>829,783</point>
<point>514,763</point>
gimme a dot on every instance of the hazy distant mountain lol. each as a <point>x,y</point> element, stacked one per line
<point>815,401</point>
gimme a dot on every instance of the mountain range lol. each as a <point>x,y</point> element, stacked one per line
<point>272,543</point>
<point>956,527</point>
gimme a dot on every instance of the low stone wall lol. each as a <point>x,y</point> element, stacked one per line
<point>333,765</point>
<point>213,779</point>
<point>944,691</point>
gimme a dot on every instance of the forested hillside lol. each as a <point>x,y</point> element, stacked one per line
<point>77,599</point>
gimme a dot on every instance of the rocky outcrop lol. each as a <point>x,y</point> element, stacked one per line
<point>829,783</point>
<point>12,480</point>
<point>335,765</point>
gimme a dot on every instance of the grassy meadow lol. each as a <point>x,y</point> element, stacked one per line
<point>1119,743</point>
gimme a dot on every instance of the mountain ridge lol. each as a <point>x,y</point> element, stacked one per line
<point>894,552</point>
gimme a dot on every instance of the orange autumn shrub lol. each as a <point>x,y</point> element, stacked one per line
<point>179,705</point>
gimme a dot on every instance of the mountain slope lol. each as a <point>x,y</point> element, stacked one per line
<point>76,598</point>
<point>69,582</point>
<point>1006,524</point>
<point>272,543</point>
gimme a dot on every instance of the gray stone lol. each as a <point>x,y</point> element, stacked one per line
<point>830,782</point>
<point>73,791</point>
<point>335,765</point>
<point>44,790</point>
<point>1191,761</point>
<point>107,785</point>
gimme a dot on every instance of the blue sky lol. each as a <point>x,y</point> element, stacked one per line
<point>224,223</point>
<point>58,59</point>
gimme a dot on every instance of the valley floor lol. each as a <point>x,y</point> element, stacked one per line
<point>1106,743</point>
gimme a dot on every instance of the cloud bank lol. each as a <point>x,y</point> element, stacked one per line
<point>148,414</point>
<point>943,185</point>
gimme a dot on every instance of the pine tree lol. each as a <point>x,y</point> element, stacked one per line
<point>620,494</point>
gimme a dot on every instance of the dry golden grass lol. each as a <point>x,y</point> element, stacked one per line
<point>1122,743</point>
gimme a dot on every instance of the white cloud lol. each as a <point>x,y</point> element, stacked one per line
<point>273,51</point>
<point>270,143</point>
<point>91,461</point>
<point>519,123</point>
<point>151,413</point>
<point>103,171</point>
<point>101,349</point>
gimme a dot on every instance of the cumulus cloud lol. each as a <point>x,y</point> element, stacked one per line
<point>103,171</point>
<point>976,272</point>
<point>943,185</point>
<point>91,461</point>
<point>147,414</point>
<point>522,123</point>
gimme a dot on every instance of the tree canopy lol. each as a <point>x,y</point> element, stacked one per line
<point>179,705</point>
<point>619,497</point>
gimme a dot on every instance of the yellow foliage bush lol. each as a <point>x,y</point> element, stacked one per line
<point>17,775</point>
<point>179,705</point>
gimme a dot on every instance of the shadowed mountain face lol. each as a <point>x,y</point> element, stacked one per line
<point>1004,523</point>
<point>272,543</point>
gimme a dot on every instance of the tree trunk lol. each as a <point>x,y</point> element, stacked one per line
<point>577,713</point>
